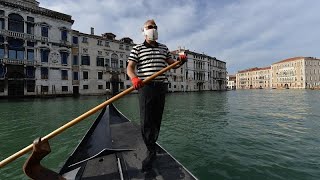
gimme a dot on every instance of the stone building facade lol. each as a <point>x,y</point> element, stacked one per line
<point>200,73</point>
<point>296,73</point>
<point>253,78</point>
<point>34,49</point>
<point>99,62</point>
<point>231,79</point>
<point>291,73</point>
<point>41,55</point>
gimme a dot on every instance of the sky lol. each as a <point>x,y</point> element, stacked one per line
<point>243,33</point>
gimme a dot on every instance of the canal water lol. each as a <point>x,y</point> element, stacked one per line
<point>243,134</point>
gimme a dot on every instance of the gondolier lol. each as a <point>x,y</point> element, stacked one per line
<point>150,57</point>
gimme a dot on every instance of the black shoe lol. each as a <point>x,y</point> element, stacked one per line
<point>147,162</point>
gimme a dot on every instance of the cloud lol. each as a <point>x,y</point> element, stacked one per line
<point>245,33</point>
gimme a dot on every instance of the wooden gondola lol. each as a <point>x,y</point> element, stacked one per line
<point>113,148</point>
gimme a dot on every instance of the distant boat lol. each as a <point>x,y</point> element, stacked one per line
<point>113,148</point>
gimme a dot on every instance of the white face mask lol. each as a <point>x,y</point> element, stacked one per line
<point>152,34</point>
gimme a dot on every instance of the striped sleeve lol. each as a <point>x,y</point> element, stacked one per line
<point>134,55</point>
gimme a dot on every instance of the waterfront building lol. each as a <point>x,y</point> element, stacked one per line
<point>34,49</point>
<point>41,55</point>
<point>231,79</point>
<point>296,73</point>
<point>201,72</point>
<point>99,63</point>
<point>291,73</point>
<point>254,78</point>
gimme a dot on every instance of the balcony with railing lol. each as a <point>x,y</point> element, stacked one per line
<point>22,35</point>
<point>17,62</point>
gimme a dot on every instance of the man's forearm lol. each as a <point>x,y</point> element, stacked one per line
<point>130,72</point>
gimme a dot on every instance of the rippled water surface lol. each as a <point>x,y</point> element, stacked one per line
<point>244,134</point>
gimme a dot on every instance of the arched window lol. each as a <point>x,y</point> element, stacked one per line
<point>114,61</point>
<point>16,23</point>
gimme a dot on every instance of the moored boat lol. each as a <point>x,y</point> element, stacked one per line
<point>113,148</point>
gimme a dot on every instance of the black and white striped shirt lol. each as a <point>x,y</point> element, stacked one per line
<point>150,59</point>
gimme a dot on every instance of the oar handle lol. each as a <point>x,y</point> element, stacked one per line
<point>83,116</point>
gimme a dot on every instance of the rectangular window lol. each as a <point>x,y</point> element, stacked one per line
<point>16,54</point>
<point>64,35</point>
<point>99,43</point>
<point>85,60</point>
<point>44,88</point>
<point>31,84</point>
<point>75,76</point>
<point>1,52</point>
<point>64,88</point>
<point>100,61</point>
<point>20,55</point>
<point>100,75</point>
<point>2,23</point>
<point>12,54</point>
<point>85,74</point>
<point>84,40</point>
<point>107,44</point>
<point>107,63</point>
<point>100,86</point>
<point>85,87</point>
<point>30,28</point>
<point>44,73</point>
<point>44,55</point>
<point>64,58</point>
<point>121,64</point>
<point>121,85</point>
<point>30,54</point>
<point>107,85</point>
<point>75,60</point>
<point>30,72</point>
<point>64,74</point>
<point>44,31</point>
<point>75,40</point>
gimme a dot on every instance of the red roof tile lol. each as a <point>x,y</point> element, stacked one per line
<point>254,69</point>
<point>290,59</point>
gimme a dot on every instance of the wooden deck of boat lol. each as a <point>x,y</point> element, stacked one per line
<point>127,135</point>
<point>113,148</point>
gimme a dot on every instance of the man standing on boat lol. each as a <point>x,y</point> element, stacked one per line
<point>150,57</point>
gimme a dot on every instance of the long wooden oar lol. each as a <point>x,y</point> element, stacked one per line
<point>83,116</point>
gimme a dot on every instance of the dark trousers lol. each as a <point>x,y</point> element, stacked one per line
<point>151,101</point>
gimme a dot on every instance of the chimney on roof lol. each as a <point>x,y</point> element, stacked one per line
<point>92,31</point>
